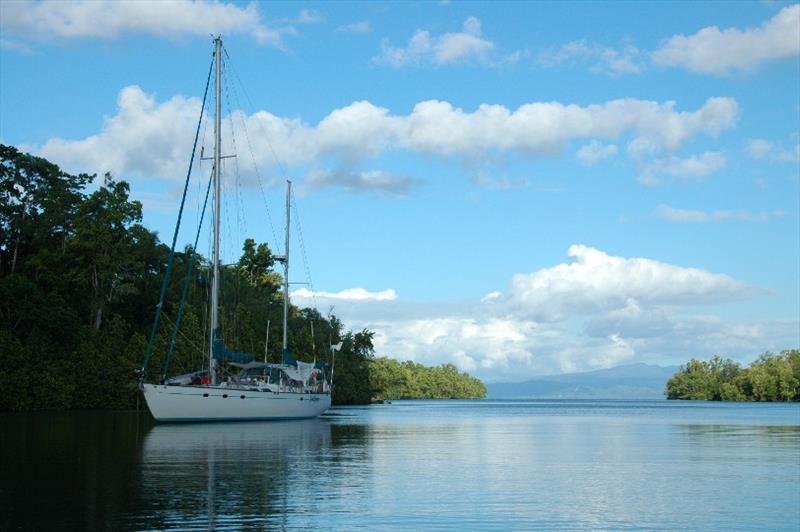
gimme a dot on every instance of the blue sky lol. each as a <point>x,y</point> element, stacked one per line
<point>517,188</point>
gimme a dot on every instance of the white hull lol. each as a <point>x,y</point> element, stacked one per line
<point>169,403</point>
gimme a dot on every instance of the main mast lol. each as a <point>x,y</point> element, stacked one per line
<point>286,274</point>
<point>215,260</point>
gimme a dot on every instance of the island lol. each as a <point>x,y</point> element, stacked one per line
<point>771,377</point>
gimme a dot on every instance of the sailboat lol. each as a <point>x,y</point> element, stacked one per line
<point>259,390</point>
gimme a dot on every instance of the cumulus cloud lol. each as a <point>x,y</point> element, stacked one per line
<point>545,127</point>
<point>596,281</point>
<point>144,138</point>
<point>147,138</point>
<point>351,294</point>
<point>596,311</point>
<point>715,51</point>
<point>426,49</point>
<point>595,151</point>
<point>48,19</point>
<point>515,348</point>
<point>672,214</point>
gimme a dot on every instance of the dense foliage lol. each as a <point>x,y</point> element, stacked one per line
<point>79,283</point>
<point>769,378</point>
<point>391,379</point>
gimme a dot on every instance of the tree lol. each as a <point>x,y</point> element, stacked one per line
<point>255,262</point>
<point>769,378</point>
<point>80,278</point>
<point>352,381</point>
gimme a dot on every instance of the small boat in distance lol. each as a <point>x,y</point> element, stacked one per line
<point>259,390</point>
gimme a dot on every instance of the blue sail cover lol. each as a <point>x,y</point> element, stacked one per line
<point>288,358</point>
<point>226,355</point>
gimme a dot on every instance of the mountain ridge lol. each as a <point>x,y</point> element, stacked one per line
<point>628,381</point>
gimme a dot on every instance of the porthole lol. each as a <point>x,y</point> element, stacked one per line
<point>224,395</point>
<point>205,395</point>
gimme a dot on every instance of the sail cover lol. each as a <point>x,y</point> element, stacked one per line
<point>223,354</point>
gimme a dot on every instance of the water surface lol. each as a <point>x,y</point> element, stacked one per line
<point>552,465</point>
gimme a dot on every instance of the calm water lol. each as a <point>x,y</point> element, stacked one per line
<point>552,465</point>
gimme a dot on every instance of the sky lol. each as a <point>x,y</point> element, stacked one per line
<point>517,188</point>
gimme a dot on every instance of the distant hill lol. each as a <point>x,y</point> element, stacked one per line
<point>632,381</point>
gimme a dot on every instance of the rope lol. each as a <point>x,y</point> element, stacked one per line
<point>171,259</point>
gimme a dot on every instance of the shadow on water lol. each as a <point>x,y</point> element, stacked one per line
<point>70,470</point>
<point>114,470</point>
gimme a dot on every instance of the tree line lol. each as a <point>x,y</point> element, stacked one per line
<point>771,377</point>
<point>79,283</point>
<point>392,379</point>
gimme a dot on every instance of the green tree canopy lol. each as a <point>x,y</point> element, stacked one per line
<point>769,378</point>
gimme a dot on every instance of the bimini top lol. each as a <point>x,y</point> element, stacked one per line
<point>302,371</point>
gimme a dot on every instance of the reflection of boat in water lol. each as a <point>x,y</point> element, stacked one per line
<point>236,475</point>
<point>184,443</point>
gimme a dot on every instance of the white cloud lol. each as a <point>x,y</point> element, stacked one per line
<point>309,16</point>
<point>16,46</point>
<point>761,149</point>
<point>672,214</point>
<point>567,52</point>
<point>715,51</point>
<point>424,48</point>
<point>363,181</point>
<point>597,282</point>
<point>437,127</point>
<point>362,26</point>
<point>758,148</point>
<point>595,151</point>
<point>606,60</point>
<point>351,294</point>
<point>595,312</point>
<point>157,138</point>
<point>694,167</point>
<point>147,138</point>
<point>618,62</point>
<point>491,296</point>
<point>789,156</point>
<point>49,19</point>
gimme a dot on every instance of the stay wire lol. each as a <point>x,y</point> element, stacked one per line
<point>170,260</point>
<point>185,290</point>
<point>241,218</point>
<point>250,145</point>
<point>303,251</point>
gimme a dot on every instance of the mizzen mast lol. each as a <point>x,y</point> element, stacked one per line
<point>285,260</point>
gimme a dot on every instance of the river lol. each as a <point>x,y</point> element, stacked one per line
<point>412,465</point>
